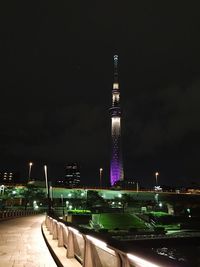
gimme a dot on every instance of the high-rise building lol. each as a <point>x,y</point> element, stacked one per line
<point>9,177</point>
<point>116,164</point>
<point>72,176</point>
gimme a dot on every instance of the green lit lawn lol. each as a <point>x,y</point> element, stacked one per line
<point>161,221</point>
<point>159,213</point>
<point>121,221</point>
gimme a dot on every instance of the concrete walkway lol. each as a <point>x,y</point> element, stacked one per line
<point>22,243</point>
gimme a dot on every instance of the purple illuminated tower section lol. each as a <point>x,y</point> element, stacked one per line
<point>116,165</point>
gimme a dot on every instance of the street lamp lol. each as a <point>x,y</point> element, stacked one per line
<point>47,188</point>
<point>100,176</point>
<point>63,212</point>
<point>137,187</point>
<point>156,174</point>
<point>29,171</point>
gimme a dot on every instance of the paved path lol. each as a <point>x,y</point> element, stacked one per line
<point>22,243</point>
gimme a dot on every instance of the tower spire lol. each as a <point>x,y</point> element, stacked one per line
<point>115,68</point>
<point>116,165</point>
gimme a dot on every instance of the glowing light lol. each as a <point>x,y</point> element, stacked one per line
<point>115,86</point>
<point>75,231</point>
<point>116,120</point>
<point>96,241</point>
<point>115,98</point>
<point>141,262</point>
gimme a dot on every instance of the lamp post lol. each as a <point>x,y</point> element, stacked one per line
<point>47,188</point>
<point>100,177</point>
<point>156,174</point>
<point>62,203</point>
<point>29,171</point>
<point>137,187</point>
<point>51,192</point>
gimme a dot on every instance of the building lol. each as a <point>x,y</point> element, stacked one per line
<point>116,164</point>
<point>9,177</point>
<point>72,176</point>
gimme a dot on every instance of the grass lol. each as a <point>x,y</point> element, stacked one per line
<point>121,221</point>
<point>159,213</point>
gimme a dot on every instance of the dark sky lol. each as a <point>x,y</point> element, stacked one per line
<point>56,74</point>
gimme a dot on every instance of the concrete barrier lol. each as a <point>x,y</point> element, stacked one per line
<point>9,214</point>
<point>87,250</point>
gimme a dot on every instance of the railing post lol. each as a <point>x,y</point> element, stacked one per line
<point>60,235</point>
<point>70,245</point>
<point>124,260</point>
<point>88,253</point>
<point>51,226</point>
<point>55,233</point>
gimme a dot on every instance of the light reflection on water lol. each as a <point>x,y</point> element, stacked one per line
<point>171,253</point>
<point>189,256</point>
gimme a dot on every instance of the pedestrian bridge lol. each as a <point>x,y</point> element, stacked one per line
<point>22,244</point>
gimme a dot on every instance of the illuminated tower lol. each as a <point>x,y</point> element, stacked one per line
<point>116,165</point>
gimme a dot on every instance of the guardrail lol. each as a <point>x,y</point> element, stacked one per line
<point>4,214</point>
<point>90,251</point>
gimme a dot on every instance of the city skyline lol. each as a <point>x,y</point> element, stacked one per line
<point>56,76</point>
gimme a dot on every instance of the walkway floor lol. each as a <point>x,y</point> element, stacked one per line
<point>22,243</point>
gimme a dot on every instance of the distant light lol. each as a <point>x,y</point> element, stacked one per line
<point>115,86</point>
<point>119,195</point>
<point>69,195</point>
<point>116,120</point>
<point>160,204</point>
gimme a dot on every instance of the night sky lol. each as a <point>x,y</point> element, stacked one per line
<point>56,60</point>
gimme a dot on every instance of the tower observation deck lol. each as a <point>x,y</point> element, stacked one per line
<point>116,164</point>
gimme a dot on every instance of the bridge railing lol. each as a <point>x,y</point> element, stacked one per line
<point>4,214</point>
<point>89,250</point>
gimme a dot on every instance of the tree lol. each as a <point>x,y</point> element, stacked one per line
<point>94,199</point>
<point>32,193</point>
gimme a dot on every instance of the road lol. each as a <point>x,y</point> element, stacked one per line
<point>22,243</point>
